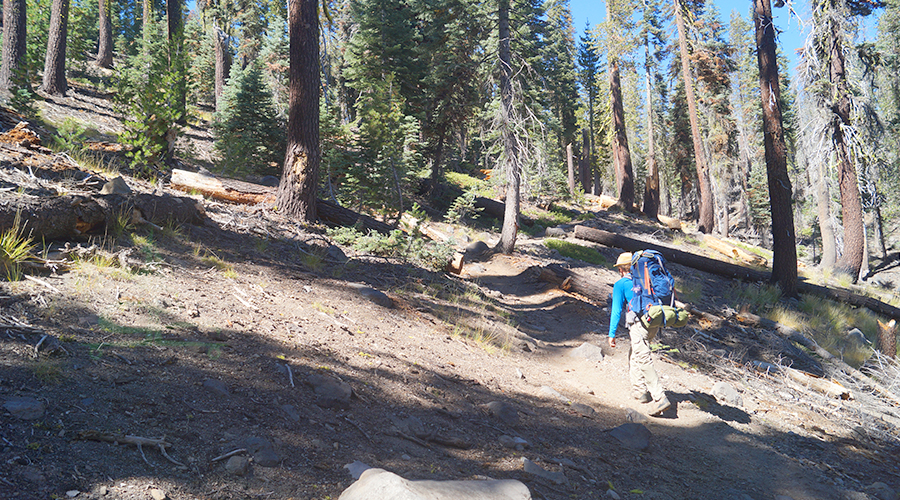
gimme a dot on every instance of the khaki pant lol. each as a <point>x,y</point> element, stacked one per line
<point>640,362</point>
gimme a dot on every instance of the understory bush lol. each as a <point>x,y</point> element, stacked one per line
<point>415,249</point>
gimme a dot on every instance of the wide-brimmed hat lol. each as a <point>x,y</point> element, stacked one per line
<point>624,259</point>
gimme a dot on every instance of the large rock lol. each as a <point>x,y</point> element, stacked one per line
<point>631,435</point>
<point>379,484</point>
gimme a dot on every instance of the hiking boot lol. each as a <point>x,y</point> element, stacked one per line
<point>642,397</point>
<point>660,407</point>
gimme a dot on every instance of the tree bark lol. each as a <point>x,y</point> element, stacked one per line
<point>223,64</point>
<point>571,165</point>
<point>586,161</point>
<point>851,205</point>
<point>54,82</point>
<point>300,180</point>
<point>624,171</point>
<point>784,260</point>
<point>887,338</point>
<point>510,156</point>
<point>651,187</point>
<point>105,42</point>
<point>823,211</point>
<point>145,17</point>
<point>175,25</point>
<point>706,221</point>
<point>14,43</point>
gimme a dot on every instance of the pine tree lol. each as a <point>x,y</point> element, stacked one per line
<point>588,69</point>
<point>561,77</point>
<point>14,70</point>
<point>147,96</point>
<point>249,135</point>
<point>54,82</point>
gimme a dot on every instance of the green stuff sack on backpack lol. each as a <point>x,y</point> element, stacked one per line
<point>665,316</point>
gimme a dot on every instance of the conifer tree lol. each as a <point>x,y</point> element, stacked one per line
<point>588,69</point>
<point>249,135</point>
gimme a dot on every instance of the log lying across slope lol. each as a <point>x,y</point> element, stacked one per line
<point>65,217</point>
<point>236,191</point>
<point>729,270</point>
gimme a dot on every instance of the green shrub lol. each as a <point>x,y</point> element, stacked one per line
<point>428,254</point>
<point>576,251</point>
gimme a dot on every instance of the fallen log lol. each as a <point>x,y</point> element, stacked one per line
<point>497,210</point>
<point>734,252</point>
<point>732,271</point>
<point>246,193</point>
<point>672,255</point>
<point>571,280</point>
<point>65,217</point>
<point>223,189</point>
<point>337,215</point>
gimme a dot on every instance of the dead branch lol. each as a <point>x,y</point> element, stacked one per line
<point>138,441</point>
<point>229,454</point>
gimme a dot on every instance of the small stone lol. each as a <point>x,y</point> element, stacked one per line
<point>555,232</point>
<point>519,374</point>
<point>405,457</point>
<point>238,465</point>
<point>157,494</point>
<point>506,413</point>
<point>633,436</point>
<point>535,469</point>
<point>72,493</point>
<point>263,451</point>
<point>376,296</point>
<point>612,494</point>
<point>291,412</point>
<point>216,387</point>
<point>115,186</point>
<point>588,351</point>
<point>513,442</point>
<point>330,392</point>
<point>103,491</point>
<point>583,410</point>
<point>553,393</point>
<point>24,408</point>
<point>723,391</point>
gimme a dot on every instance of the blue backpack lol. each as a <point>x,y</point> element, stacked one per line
<point>653,284</point>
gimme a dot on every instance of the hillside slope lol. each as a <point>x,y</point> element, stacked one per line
<point>266,358</point>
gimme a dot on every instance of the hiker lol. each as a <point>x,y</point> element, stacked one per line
<point>644,380</point>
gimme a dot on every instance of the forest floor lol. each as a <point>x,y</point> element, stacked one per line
<point>252,334</point>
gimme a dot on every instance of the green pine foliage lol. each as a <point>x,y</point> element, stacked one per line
<point>147,96</point>
<point>250,137</point>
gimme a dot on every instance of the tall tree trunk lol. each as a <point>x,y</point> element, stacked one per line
<point>54,82</point>
<point>570,163</point>
<point>223,64</point>
<point>299,182</point>
<point>105,44</point>
<point>851,205</point>
<point>14,40</point>
<point>586,161</point>
<point>625,173</point>
<point>145,18</point>
<point>823,211</point>
<point>510,228</point>
<point>706,221</point>
<point>651,187</point>
<point>784,259</point>
<point>175,27</point>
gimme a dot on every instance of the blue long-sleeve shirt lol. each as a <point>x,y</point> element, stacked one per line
<point>622,293</point>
